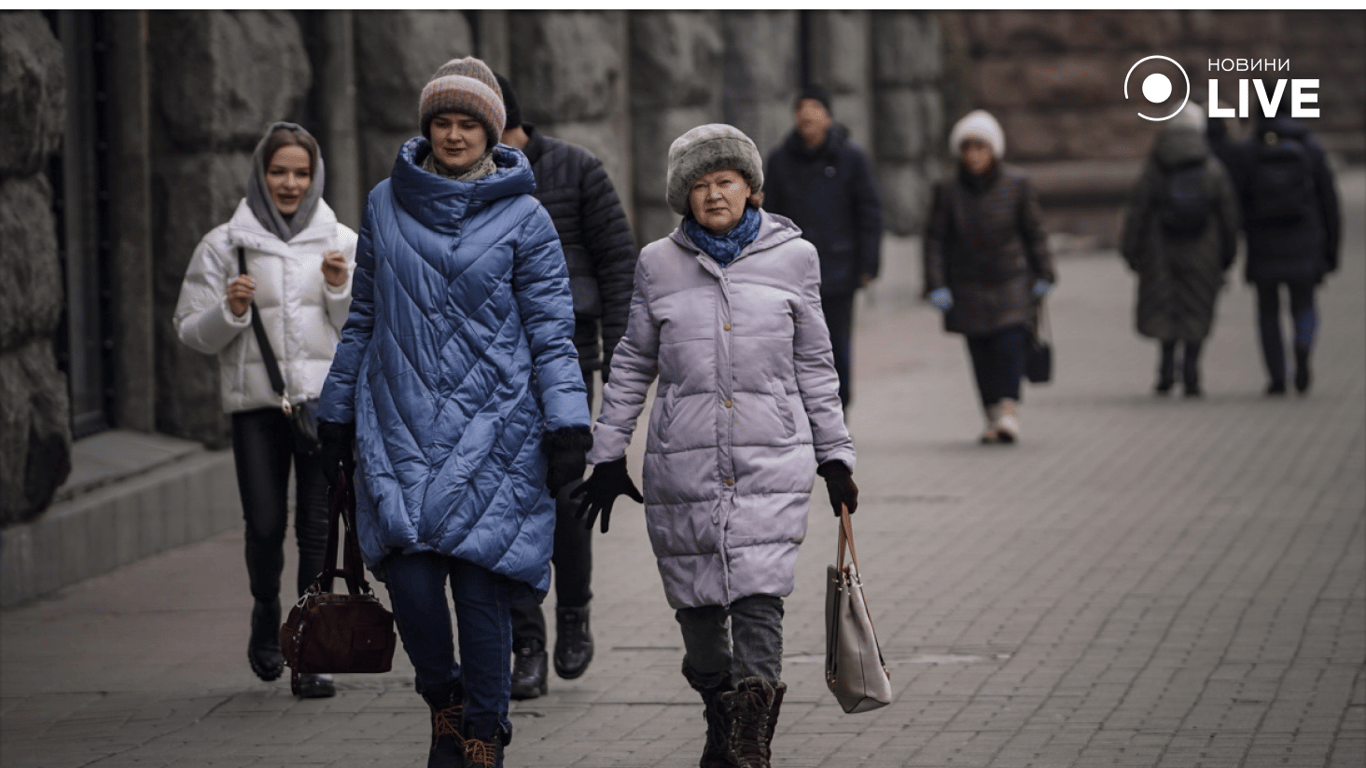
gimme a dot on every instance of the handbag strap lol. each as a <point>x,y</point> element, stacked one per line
<point>342,512</point>
<point>1042,328</point>
<point>277,380</point>
<point>847,539</point>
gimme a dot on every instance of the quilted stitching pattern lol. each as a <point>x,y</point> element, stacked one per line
<point>456,358</point>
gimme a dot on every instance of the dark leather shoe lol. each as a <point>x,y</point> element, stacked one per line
<point>573,642</point>
<point>529,673</point>
<point>313,686</point>
<point>263,650</point>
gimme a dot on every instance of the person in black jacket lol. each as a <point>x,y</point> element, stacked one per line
<point>601,254</point>
<point>822,181</point>
<point>1291,220</point>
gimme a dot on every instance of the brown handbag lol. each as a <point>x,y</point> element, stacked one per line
<point>329,632</point>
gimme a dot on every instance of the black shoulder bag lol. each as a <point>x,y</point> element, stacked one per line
<point>303,418</point>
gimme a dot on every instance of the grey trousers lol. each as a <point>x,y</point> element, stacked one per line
<point>744,639</point>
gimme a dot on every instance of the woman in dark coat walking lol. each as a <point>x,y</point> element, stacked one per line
<point>1180,234</point>
<point>987,265</point>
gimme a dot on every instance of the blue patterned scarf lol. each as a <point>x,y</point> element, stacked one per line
<point>724,248</point>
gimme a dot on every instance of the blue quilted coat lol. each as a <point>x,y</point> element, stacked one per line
<point>457,355</point>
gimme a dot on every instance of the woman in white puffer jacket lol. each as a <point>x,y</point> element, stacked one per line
<point>298,277</point>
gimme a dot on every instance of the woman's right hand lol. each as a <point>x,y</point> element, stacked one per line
<point>241,292</point>
<point>608,481</point>
<point>941,298</point>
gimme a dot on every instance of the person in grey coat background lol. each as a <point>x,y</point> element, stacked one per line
<point>987,265</point>
<point>726,314</point>
<point>1180,235</point>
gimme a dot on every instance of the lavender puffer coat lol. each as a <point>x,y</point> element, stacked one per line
<point>746,406</point>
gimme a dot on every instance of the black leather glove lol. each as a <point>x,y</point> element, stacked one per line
<point>608,481</point>
<point>565,449</point>
<point>337,451</point>
<point>839,481</point>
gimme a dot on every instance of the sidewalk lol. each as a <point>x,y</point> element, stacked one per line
<point>1142,582</point>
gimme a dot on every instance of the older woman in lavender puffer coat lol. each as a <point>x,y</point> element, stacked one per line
<point>726,314</point>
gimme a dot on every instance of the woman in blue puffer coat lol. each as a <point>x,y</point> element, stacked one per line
<point>457,380</point>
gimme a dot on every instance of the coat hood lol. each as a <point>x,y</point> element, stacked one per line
<point>245,229</point>
<point>1180,145</point>
<point>774,230</point>
<point>443,204</point>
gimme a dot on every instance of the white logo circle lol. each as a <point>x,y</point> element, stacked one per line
<point>1157,88</point>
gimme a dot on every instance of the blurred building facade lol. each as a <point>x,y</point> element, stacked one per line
<point>128,135</point>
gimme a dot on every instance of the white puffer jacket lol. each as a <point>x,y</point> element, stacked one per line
<point>302,314</point>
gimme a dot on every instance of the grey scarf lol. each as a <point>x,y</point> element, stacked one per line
<point>481,168</point>
<point>258,194</point>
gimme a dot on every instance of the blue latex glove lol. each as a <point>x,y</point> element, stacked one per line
<point>941,298</point>
<point>1041,288</point>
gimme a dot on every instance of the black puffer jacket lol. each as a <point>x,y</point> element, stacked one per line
<point>595,236</point>
<point>830,195</point>
<point>1300,250</point>
<point>986,244</point>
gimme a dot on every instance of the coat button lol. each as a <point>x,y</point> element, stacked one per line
<point>728,403</point>
<point>726,327</point>
<point>730,481</point>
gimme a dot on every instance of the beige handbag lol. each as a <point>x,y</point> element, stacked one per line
<point>854,669</point>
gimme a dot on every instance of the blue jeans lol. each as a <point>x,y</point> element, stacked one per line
<point>744,639</point>
<point>483,601</point>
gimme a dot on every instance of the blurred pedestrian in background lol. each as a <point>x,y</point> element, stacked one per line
<point>1180,235</point>
<point>823,182</point>
<point>1291,218</point>
<point>457,381</point>
<point>601,255</point>
<point>726,314</point>
<point>987,265</point>
<point>298,283</point>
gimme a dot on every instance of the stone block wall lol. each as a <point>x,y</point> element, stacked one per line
<point>35,434</point>
<point>569,72</point>
<point>396,54</point>
<point>677,62</point>
<point>907,114</point>
<point>219,78</point>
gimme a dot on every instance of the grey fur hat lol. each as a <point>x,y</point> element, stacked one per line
<point>708,148</point>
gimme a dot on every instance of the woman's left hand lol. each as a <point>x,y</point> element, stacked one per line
<point>839,481</point>
<point>334,268</point>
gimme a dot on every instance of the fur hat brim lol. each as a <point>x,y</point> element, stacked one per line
<point>707,148</point>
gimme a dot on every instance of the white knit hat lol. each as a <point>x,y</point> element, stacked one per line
<point>978,124</point>
<point>707,148</point>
